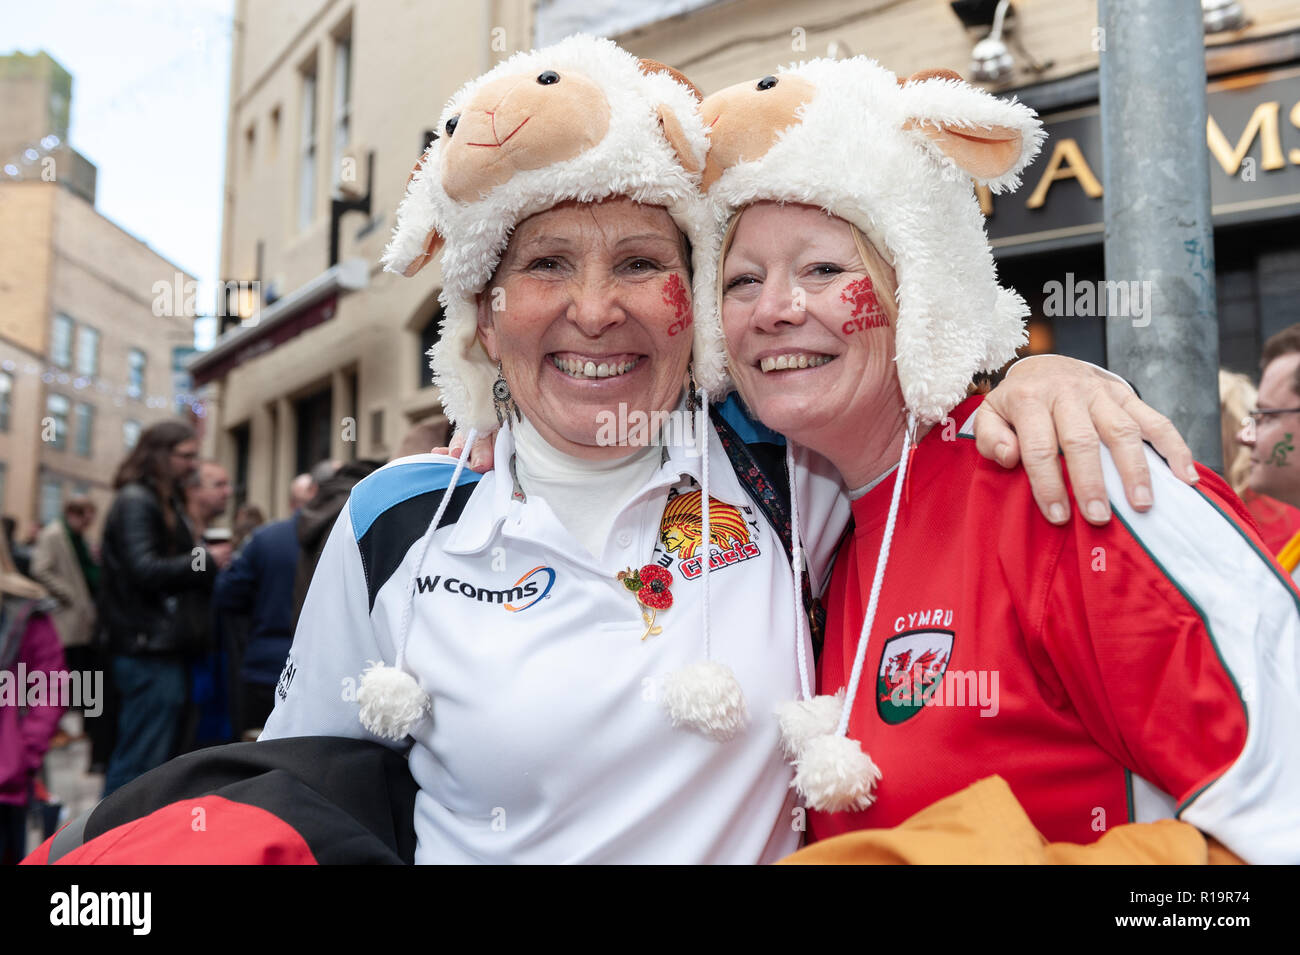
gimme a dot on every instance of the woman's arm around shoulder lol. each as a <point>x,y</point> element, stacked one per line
<point>1178,640</point>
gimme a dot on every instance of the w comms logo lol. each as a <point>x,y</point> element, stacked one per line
<point>533,586</point>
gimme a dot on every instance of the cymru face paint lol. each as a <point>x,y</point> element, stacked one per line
<point>860,295</point>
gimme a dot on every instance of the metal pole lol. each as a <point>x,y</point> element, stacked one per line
<point>1159,236</point>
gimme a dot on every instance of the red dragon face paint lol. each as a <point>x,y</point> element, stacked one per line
<point>867,311</point>
<point>674,293</point>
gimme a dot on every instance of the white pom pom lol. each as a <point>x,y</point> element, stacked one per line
<point>706,697</point>
<point>391,701</point>
<point>801,720</point>
<point>835,775</point>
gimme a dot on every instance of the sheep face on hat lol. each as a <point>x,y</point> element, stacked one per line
<point>895,159</point>
<point>581,121</point>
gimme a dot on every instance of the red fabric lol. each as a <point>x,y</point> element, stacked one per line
<point>209,830</point>
<point>1278,522</point>
<point>1102,665</point>
<point>42,853</point>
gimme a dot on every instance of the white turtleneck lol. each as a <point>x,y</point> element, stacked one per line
<point>584,495</point>
<point>858,492</point>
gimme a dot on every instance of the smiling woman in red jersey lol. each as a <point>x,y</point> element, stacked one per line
<point>1138,670</point>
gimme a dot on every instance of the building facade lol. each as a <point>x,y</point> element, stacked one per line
<point>330,106</point>
<point>87,346</point>
<point>332,102</point>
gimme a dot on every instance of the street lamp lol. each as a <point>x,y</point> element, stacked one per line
<point>1222,16</point>
<point>991,61</point>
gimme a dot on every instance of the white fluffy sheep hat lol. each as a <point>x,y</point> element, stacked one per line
<point>580,120</point>
<point>895,158</point>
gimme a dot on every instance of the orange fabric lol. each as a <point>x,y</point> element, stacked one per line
<point>1222,855</point>
<point>984,824</point>
<point>1289,555</point>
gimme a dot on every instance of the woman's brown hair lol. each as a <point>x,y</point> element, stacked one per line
<point>149,463</point>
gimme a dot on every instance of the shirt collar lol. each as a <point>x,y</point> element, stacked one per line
<point>490,503</point>
<point>496,497</point>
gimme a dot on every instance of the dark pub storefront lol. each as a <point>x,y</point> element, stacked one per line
<point>1048,234</point>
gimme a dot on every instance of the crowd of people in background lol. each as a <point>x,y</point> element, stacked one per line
<point>186,619</point>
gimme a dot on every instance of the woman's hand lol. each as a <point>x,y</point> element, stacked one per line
<point>480,456</point>
<point>1056,403</point>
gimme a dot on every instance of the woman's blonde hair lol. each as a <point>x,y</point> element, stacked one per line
<point>874,263</point>
<point>1236,399</point>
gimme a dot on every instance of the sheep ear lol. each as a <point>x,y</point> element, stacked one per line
<point>984,136</point>
<point>668,121</point>
<point>983,153</point>
<point>433,241</point>
<point>671,127</point>
<point>920,76</point>
<point>649,66</point>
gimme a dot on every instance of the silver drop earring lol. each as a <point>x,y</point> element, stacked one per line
<point>502,403</point>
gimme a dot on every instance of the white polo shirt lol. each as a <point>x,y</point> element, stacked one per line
<point>546,741</point>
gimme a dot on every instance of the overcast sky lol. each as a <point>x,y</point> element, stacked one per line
<point>150,82</point>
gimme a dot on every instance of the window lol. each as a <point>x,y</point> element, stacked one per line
<point>51,499</point>
<point>56,410</point>
<point>342,99</point>
<point>6,397</point>
<point>85,418</point>
<point>135,363</point>
<point>61,341</point>
<point>273,147</point>
<point>130,433</point>
<point>87,351</point>
<point>307,151</point>
<point>240,438</point>
<point>313,416</point>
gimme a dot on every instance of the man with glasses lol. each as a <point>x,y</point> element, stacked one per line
<point>1272,432</point>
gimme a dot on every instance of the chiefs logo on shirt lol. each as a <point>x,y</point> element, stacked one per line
<point>682,531</point>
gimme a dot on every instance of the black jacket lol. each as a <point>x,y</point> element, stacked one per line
<point>317,518</point>
<point>318,799</point>
<point>147,574</point>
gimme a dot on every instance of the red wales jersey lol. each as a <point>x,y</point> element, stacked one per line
<point>1145,669</point>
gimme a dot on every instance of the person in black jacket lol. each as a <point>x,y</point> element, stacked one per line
<point>150,559</point>
<point>317,517</point>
